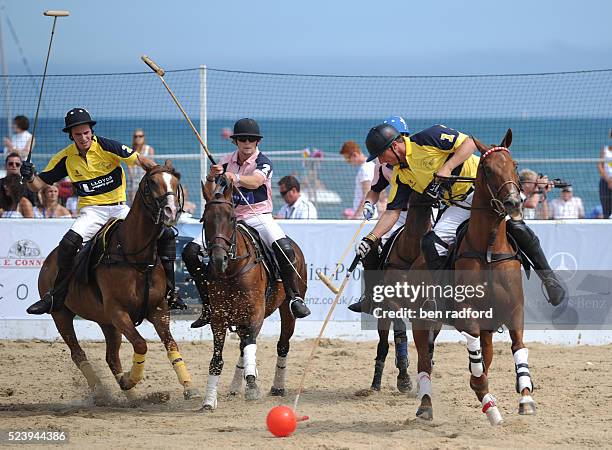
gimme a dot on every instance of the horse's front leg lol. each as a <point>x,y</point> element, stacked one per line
<point>248,340</point>
<point>420,335</point>
<point>524,386</point>
<point>219,330</point>
<point>404,383</point>
<point>382,349</point>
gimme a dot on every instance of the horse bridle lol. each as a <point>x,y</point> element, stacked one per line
<point>496,203</point>
<point>230,244</point>
<point>155,205</point>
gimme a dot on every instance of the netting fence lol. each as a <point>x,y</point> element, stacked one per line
<point>560,121</point>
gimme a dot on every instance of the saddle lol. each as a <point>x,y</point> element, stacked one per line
<point>93,252</point>
<point>262,252</point>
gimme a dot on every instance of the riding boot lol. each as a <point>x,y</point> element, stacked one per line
<point>53,300</point>
<point>529,243</point>
<point>199,272</point>
<point>285,255</point>
<point>166,249</point>
<point>434,260</point>
<point>370,265</point>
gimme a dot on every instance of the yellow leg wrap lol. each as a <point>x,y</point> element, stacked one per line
<point>179,366</point>
<point>137,372</point>
<point>89,373</point>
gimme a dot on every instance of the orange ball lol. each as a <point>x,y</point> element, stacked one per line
<point>281,421</point>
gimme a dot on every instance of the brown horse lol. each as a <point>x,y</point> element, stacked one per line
<point>486,254</point>
<point>237,289</point>
<point>116,296</point>
<point>404,251</point>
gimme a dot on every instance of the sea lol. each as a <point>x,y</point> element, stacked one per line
<point>564,148</point>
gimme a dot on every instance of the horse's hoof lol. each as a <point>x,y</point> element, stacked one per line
<point>425,413</point>
<point>251,391</point>
<point>365,392</point>
<point>191,393</point>
<point>277,392</point>
<point>101,395</point>
<point>207,408</point>
<point>375,387</point>
<point>125,382</point>
<point>527,406</point>
<point>404,384</point>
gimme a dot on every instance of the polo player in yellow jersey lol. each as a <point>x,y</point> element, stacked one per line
<point>93,164</point>
<point>423,162</point>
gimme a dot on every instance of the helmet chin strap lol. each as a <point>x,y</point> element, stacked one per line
<point>402,164</point>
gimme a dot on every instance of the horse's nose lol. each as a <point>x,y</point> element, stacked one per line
<point>169,212</point>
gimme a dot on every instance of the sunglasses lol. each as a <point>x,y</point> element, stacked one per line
<point>13,164</point>
<point>247,139</point>
<point>283,193</point>
<point>138,135</point>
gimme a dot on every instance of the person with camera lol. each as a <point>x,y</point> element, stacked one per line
<point>535,187</point>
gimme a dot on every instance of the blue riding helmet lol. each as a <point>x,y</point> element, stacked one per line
<point>399,123</point>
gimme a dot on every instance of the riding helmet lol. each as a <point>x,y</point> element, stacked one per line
<point>379,139</point>
<point>399,123</point>
<point>77,116</point>
<point>246,127</point>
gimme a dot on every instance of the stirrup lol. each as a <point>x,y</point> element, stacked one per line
<point>204,318</point>
<point>175,301</point>
<point>298,308</point>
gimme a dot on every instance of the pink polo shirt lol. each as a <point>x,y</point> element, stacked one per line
<point>259,198</point>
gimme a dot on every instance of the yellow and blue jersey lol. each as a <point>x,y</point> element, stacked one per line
<point>403,181</point>
<point>98,179</point>
<point>428,150</point>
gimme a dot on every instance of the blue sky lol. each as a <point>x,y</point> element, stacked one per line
<point>326,37</point>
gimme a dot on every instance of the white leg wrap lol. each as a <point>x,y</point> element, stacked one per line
<point>250,362</point>
<point>281,372</point>
<point>489,407</point>
<point>475,354</point>
<point>236,383</point>
<point>210,399</point>
<point>424,385</point>
<point>521,366</point>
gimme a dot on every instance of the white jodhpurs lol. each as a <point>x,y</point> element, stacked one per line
<point>452,217</point>
<point>92,218</point>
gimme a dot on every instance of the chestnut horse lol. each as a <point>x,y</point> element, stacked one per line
<point>486,253</point>
<point>116,296</point>
<point>405,250</point>
<point>238,284</point>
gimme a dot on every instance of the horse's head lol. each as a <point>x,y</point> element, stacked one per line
<point>161,193</point>
<point>500,177</point>
<point>219,223</point>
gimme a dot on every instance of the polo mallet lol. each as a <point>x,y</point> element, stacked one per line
<point>55,15</point>
<point>329,314</point>
<point>160,73</point>
<point>327,281</point>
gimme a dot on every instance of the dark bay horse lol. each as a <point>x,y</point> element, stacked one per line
<point>116,296</point>
<point>485,253</point>
<point>238,283</point>
<point>405,250</point>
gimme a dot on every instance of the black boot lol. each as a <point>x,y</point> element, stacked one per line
<point>53,300</point>
<point>199,272</point>
<point>285,256</point>
<point>530,245</point>
<point>430,253</point>
<point>370,263</point>
<point>166,249</point>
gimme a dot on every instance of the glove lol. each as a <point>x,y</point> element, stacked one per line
<point>368,210</point>
<point>27,171</point>
<point>438,188</point>
<point>366,245</point>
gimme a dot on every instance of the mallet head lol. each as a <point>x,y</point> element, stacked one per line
<point>52,13</point>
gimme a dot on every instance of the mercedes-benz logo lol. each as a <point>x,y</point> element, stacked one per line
<point>565,264</point>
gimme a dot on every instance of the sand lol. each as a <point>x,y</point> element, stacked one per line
<point>40,388</point>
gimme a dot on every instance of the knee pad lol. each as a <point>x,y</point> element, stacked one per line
<point>69,246</point>
<point>191,257</point>
<point>284,244</point>
<point>166,244</point>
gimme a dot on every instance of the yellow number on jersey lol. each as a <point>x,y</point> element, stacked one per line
<point>448,137</point>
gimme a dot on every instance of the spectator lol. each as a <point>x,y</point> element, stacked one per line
<point>567,206</point>
<point>20,140</point>
<point>605,182</point>
<point>13,202</point>
<point>72,201</point>
<point>12,164</point>
<point>296,206</point>
<point>135,172</point>
<point>352,154</point>
<point>596,213</point>
<point>51,207</point>
<point>535,189</point>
